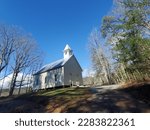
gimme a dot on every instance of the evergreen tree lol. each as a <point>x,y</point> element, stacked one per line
<point>128,30</point>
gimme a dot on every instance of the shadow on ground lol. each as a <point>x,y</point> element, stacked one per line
<point>133,99</point>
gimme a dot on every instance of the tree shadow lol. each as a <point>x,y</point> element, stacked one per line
<point>133,100</point>
<point>126,100</point>
<point>35,102</point>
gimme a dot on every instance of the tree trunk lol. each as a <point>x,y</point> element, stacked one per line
<point>22,78</point>
<point>13,83</point>
<point>20,85</point>
<point>3,81</point>
<point>27,89</point>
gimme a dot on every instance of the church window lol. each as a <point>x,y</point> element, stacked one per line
<point>46,79</point>
<point>36,81</point>
<point>56,77</point>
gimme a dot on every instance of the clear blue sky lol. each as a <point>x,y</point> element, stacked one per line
<point>54,23</point>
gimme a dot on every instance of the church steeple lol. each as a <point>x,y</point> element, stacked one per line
<point>67,52</point>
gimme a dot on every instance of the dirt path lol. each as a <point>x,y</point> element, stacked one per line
<point>110,99</point>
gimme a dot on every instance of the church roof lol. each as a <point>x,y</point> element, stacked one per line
<point>53,65</point>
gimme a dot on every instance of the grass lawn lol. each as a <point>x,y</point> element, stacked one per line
<point>57,100</point>
<point>130,99</point>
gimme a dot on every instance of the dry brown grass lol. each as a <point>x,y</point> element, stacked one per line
<point>134,83</point>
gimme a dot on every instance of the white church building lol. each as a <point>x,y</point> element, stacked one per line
<point>64,72</point>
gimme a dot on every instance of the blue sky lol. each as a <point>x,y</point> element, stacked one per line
<point>55,23</point>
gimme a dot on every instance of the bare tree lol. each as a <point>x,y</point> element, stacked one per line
<point>99,60</point>
<point>23,79</point>
<point>18,53</point>
<point>7,39</point>
<point>25,54</point>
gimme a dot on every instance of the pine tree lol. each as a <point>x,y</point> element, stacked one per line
<point>128,30</point>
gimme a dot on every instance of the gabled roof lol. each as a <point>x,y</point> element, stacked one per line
<point>54,65</point>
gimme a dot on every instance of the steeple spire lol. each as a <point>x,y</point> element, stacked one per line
<point>67,52</point>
